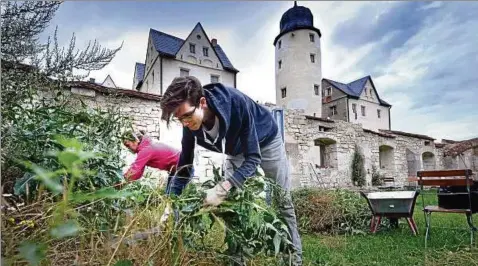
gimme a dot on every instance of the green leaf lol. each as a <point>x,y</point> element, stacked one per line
<point>68,143</point>
<point>32,252</point>
<point>123,263</point>
<point>70,228</point>
<point>105,193</point>
<point>277,241</point>
<point>68,158</point>
<point>48,178</point>
<point>20,184</point>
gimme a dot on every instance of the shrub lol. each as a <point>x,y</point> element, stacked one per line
<point>330,211</point>
<point>377,177</point>
<point>358,168</point>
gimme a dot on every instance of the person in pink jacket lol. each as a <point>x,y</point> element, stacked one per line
<point>156,155</point>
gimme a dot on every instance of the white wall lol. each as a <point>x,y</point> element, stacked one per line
<point>198,58</point>
<point>172,67</point>
<point>298,74</point>
<point>370,120</point>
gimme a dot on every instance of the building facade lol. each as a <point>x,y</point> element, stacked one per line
<point>298,60</point>
<point>168,57</point>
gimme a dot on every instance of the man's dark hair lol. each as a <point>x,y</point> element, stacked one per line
<point>182,89</point>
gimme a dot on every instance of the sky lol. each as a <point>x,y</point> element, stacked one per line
<point>422,56</point>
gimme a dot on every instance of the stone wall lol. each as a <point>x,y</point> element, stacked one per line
<point>304,135</point>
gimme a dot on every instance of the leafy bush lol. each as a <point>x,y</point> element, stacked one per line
<point>35,106</point>
<point>358,168</point>
<point>377,177</point>
<point>330,211</point>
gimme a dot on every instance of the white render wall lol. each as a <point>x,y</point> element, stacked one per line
<point>371,103</point>
<point>184,53</point>
<point>370,120</point>
<point>172,67</point>
<point>298,74</point>
<point>200,66</point>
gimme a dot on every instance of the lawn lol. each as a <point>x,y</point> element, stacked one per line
<point>449,244</point>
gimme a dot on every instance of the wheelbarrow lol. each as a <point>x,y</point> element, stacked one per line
<point>392,205</point>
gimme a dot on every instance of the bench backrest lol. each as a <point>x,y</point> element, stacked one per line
<point>445,177</point>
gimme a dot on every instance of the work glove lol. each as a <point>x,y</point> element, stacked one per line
<point>165,216</point>
<point>216,195</point>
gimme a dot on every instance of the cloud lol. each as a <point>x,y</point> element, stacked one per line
<point>422,56</point>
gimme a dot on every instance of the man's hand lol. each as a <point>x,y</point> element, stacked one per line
<point>216,195</point>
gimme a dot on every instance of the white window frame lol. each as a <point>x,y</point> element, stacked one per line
<point>215,76</point>
<point>185,70</point>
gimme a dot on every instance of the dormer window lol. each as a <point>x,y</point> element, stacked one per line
<point>192,48</point>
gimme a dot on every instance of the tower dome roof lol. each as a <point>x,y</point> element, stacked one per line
<point>297,17</point>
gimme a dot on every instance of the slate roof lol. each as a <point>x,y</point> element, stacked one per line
<point>296,18</point>
<point>168,45</point>
<point>139,69</point>
<point>355,88</point>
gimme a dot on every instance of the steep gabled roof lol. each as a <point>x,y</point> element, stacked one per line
<point>168,45</point>
<point>355,88</point>
<point>139,69</point>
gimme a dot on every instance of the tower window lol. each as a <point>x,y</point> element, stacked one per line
<point>316,89</point>
<point>280,44</point>
<point>283,92</point>
<point>280,64</point>
<point>312,37</point>
<point>363,110</point>
<point>312,58</point>
<point>378,113</point>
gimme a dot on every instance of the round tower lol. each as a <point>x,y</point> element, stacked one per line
<point>298,62</point>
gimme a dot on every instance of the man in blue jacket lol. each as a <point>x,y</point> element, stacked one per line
<point>225,120</point>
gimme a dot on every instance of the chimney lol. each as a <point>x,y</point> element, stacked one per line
<point>92,80</point>
<point>214,42</point>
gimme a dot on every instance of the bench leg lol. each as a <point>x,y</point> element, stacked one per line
<point>428,224</point>
<point>469,219</point>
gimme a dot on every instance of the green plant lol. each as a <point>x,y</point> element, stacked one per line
<point>358,168</point>
<point>377,177</point>
<point>62,217</point>
<point>251,227</point>
<point>330,211</point>
<point>35,105</point>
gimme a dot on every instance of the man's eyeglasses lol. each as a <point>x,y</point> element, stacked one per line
<point>186,117</point>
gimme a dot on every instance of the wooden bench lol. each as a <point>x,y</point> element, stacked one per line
<point>450,178</point>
